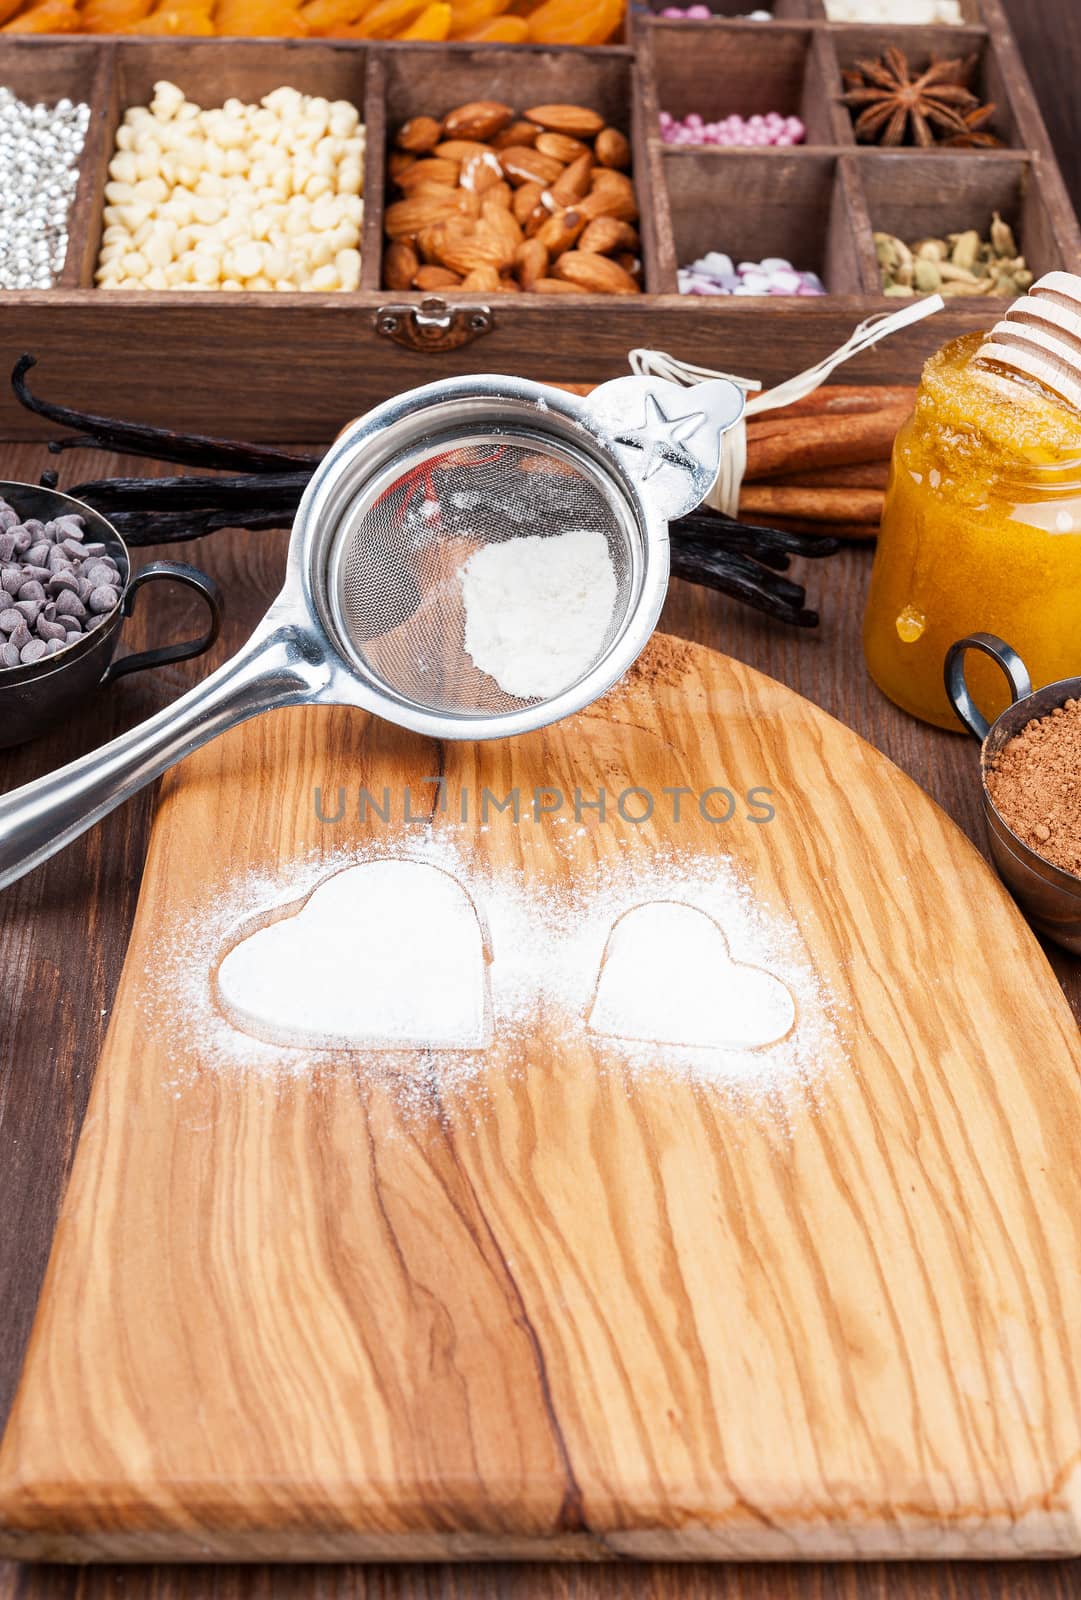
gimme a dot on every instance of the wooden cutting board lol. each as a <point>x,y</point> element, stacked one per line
<point>571,1309</point>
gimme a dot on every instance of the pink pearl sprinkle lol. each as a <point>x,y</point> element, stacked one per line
<point>758,131</point>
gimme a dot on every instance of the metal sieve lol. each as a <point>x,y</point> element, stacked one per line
<point>371,613</point>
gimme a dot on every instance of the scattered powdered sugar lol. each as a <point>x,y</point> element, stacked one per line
<point>661,964</point>
<point>538,609</point>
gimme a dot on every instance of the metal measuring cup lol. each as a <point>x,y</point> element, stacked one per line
<point>1049,897</point>
<point>35,697</point>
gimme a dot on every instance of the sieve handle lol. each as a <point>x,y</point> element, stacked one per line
<point>280,665</point>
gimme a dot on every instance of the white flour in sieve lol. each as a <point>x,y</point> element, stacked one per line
<point>538,609</point>
<point>552,980</point>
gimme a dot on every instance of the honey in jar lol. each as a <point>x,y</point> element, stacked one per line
<point>981,532</point>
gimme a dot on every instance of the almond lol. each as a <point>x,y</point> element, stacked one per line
<point>501,194</point>
<point>612,148</point>
<point>594,274</point>
<point>539,215</point>
<point>482,172</point>
<point>502,224</point>
<point>608,178</point>
<point>517,133</point>
<point>484,279</point>
<point>525,200</point>
<point>576,121</point>
<point>479,119</point>
<point>466,245</point>
<point>530,262</point>
<point>459,149</point>
<point>419,135</point>
<point>607,234</point>
<point>560,146</point>
<point>523,165</point>
<point>443,174</point>
<point>429,243</point>
<point>607,202</point>
<point>574,182</point>
<point>560,232</point>
<point>630,263</point>
<point>398,162</point>
<point>400,265</point>
<point>406,218</point>
<point>435,278</point>
<point>553,286</point>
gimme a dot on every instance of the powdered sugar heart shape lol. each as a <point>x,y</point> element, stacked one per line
<point>668,978</point>
<point>385,954</point>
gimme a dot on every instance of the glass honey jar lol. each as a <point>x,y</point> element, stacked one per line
<point>981,532</point>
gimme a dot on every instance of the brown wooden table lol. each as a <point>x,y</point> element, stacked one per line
<point>63,932</point>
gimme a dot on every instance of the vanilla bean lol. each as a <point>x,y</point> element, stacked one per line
<point>271,491</point>
<point>141,528</point>
<point>767,545</point>
<point>162,444</point>
<point>699,561</point>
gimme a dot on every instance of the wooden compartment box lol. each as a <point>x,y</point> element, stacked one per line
<point>296,366</point>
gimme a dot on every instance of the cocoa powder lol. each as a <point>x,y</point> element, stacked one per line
<point>1035,784</point>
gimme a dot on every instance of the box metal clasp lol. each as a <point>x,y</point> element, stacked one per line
<point>433,324</point>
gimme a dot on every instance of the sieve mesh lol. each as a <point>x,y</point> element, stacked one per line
<point>399,594</point>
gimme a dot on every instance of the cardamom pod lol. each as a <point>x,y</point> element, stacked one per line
<point>966,252</point>
<point>927,278</point>
<point>1002,239</point>
<point>953,272</point>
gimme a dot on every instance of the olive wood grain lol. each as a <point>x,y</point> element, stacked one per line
<point>563,1310</point>
<point>63,934</point>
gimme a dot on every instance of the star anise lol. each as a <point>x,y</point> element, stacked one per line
<point>897,106</point>
<point>976,135</point>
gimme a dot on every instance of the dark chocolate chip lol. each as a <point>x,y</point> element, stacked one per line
<point>103,600</point>
<point>31,590</point>
<point>69,605</point>
<point>10,618</point>
<point>33,650</point>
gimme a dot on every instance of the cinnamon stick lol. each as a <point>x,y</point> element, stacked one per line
<point>844,399</point>
<point>812,442</point>
<point>865,475</point>
<point>812,505</point>
<point>852,532</point>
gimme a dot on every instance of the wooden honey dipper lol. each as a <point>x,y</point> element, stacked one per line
<point>1040,336</point>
